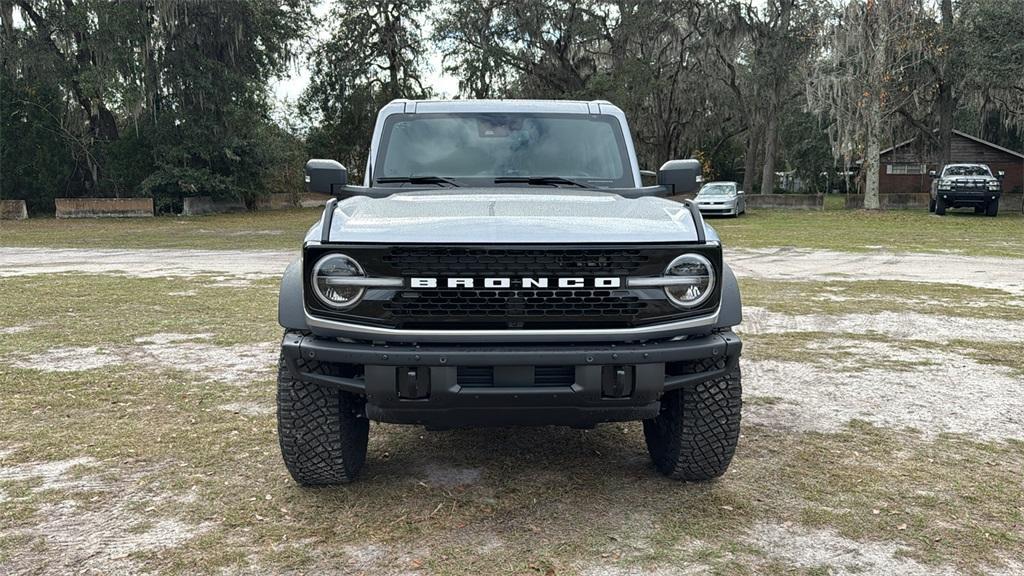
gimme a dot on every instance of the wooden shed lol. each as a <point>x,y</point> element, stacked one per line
<point>904,168</point>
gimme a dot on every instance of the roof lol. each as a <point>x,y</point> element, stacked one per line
<point>555,106</point>
<point>964,135</point>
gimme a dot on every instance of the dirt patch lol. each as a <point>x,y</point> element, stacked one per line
<point>238,364</point>
<point>826,551</point>
<point>899,325</point>
<point>172,337</point>
<point>801,264</point>
<point>950,394</point>
<point>99,540</point>
<point>450,476</point>
<point>250,409</point>
<point>51,475</point>
<point>688,570</point>
<point>235,364</point>
<point>145,263</point>
<point>7,330</point>
<point>98,525</point>
<point>69,359</point>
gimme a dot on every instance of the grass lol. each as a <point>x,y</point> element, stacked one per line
<point>849,230</point>
<point>864,231</point>
<point>537,501</point>
<point>547,498</point>
<point>878,296</point>
<point>271,230</point>
<point>91,310</point>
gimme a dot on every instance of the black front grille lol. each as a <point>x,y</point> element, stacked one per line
<point>973,185</point>
<point>419,261</point>
<point>515,303</point>
<point>516,307</point>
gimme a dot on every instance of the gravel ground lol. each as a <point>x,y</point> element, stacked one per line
<point>145,263</point>
<point>895,325</point>
<point>800,264</point>
<point>955,394</point>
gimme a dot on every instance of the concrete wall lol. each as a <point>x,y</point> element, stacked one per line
<point>1008,202</point>
<point>890,201</point>
<point>276,202</point>
<point>789,201</point>
<point>195,205</point>
<point>313,200</point>
<point>13,210</point>
<point>103,207</point>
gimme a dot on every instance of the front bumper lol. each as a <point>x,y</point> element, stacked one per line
<point>472,385</point>
<point>956,198</point>
<point>717,208</point>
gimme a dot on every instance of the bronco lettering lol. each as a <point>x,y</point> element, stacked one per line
<point>599,282</point>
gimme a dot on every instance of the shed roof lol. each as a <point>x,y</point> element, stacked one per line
<point>962,134</point>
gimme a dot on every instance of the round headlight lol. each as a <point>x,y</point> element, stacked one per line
<point>693,280</point>
<point>329,284</point>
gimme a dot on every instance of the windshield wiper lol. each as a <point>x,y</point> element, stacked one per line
<point>418,180</point>
<point>539,180</point>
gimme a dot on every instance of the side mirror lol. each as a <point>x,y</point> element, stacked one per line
<point>1000,174</point>
<point>739,192</point>
<point>322,176</point>
<point>932,174</point>
<point>680,176</point>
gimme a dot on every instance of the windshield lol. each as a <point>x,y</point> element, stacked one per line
<point>717,190</point>
<point>966,171</point>
<point>477,148</point>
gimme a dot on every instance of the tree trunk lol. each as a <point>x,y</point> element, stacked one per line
<point>871,153</point>
<point>770,139</point>
<point>750,160</point>
<point>945,96</point>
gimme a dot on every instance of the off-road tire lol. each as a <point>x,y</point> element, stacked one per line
<point>931,205</point>
<point>694,436</point>
<point>940,207</point>
<point>992,208</point>
<point>322,432</point>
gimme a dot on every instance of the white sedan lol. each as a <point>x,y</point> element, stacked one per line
<point>721,198</point>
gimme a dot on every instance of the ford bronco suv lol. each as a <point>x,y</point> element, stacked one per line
<point>502,264</point>
<point>966,186</point>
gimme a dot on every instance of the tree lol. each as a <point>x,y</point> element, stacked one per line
<point>160,97</point>
<point>862,79</point>
<point>470,35</point>
<point>375,53</point>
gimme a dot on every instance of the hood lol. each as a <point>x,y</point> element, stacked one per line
<point>513,215</point>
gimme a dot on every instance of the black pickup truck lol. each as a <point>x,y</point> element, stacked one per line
<point>966,186</point>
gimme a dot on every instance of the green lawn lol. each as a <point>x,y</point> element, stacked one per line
<point>849,230</point>
<point>861,230</point>
<point>279,229</point>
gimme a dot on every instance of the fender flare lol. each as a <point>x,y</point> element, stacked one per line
<point>731,312</point>
<point>291,311</point>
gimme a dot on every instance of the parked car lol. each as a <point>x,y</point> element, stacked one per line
<point>502,264</point>
<point>966,186</point>
<point>723,198</point>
